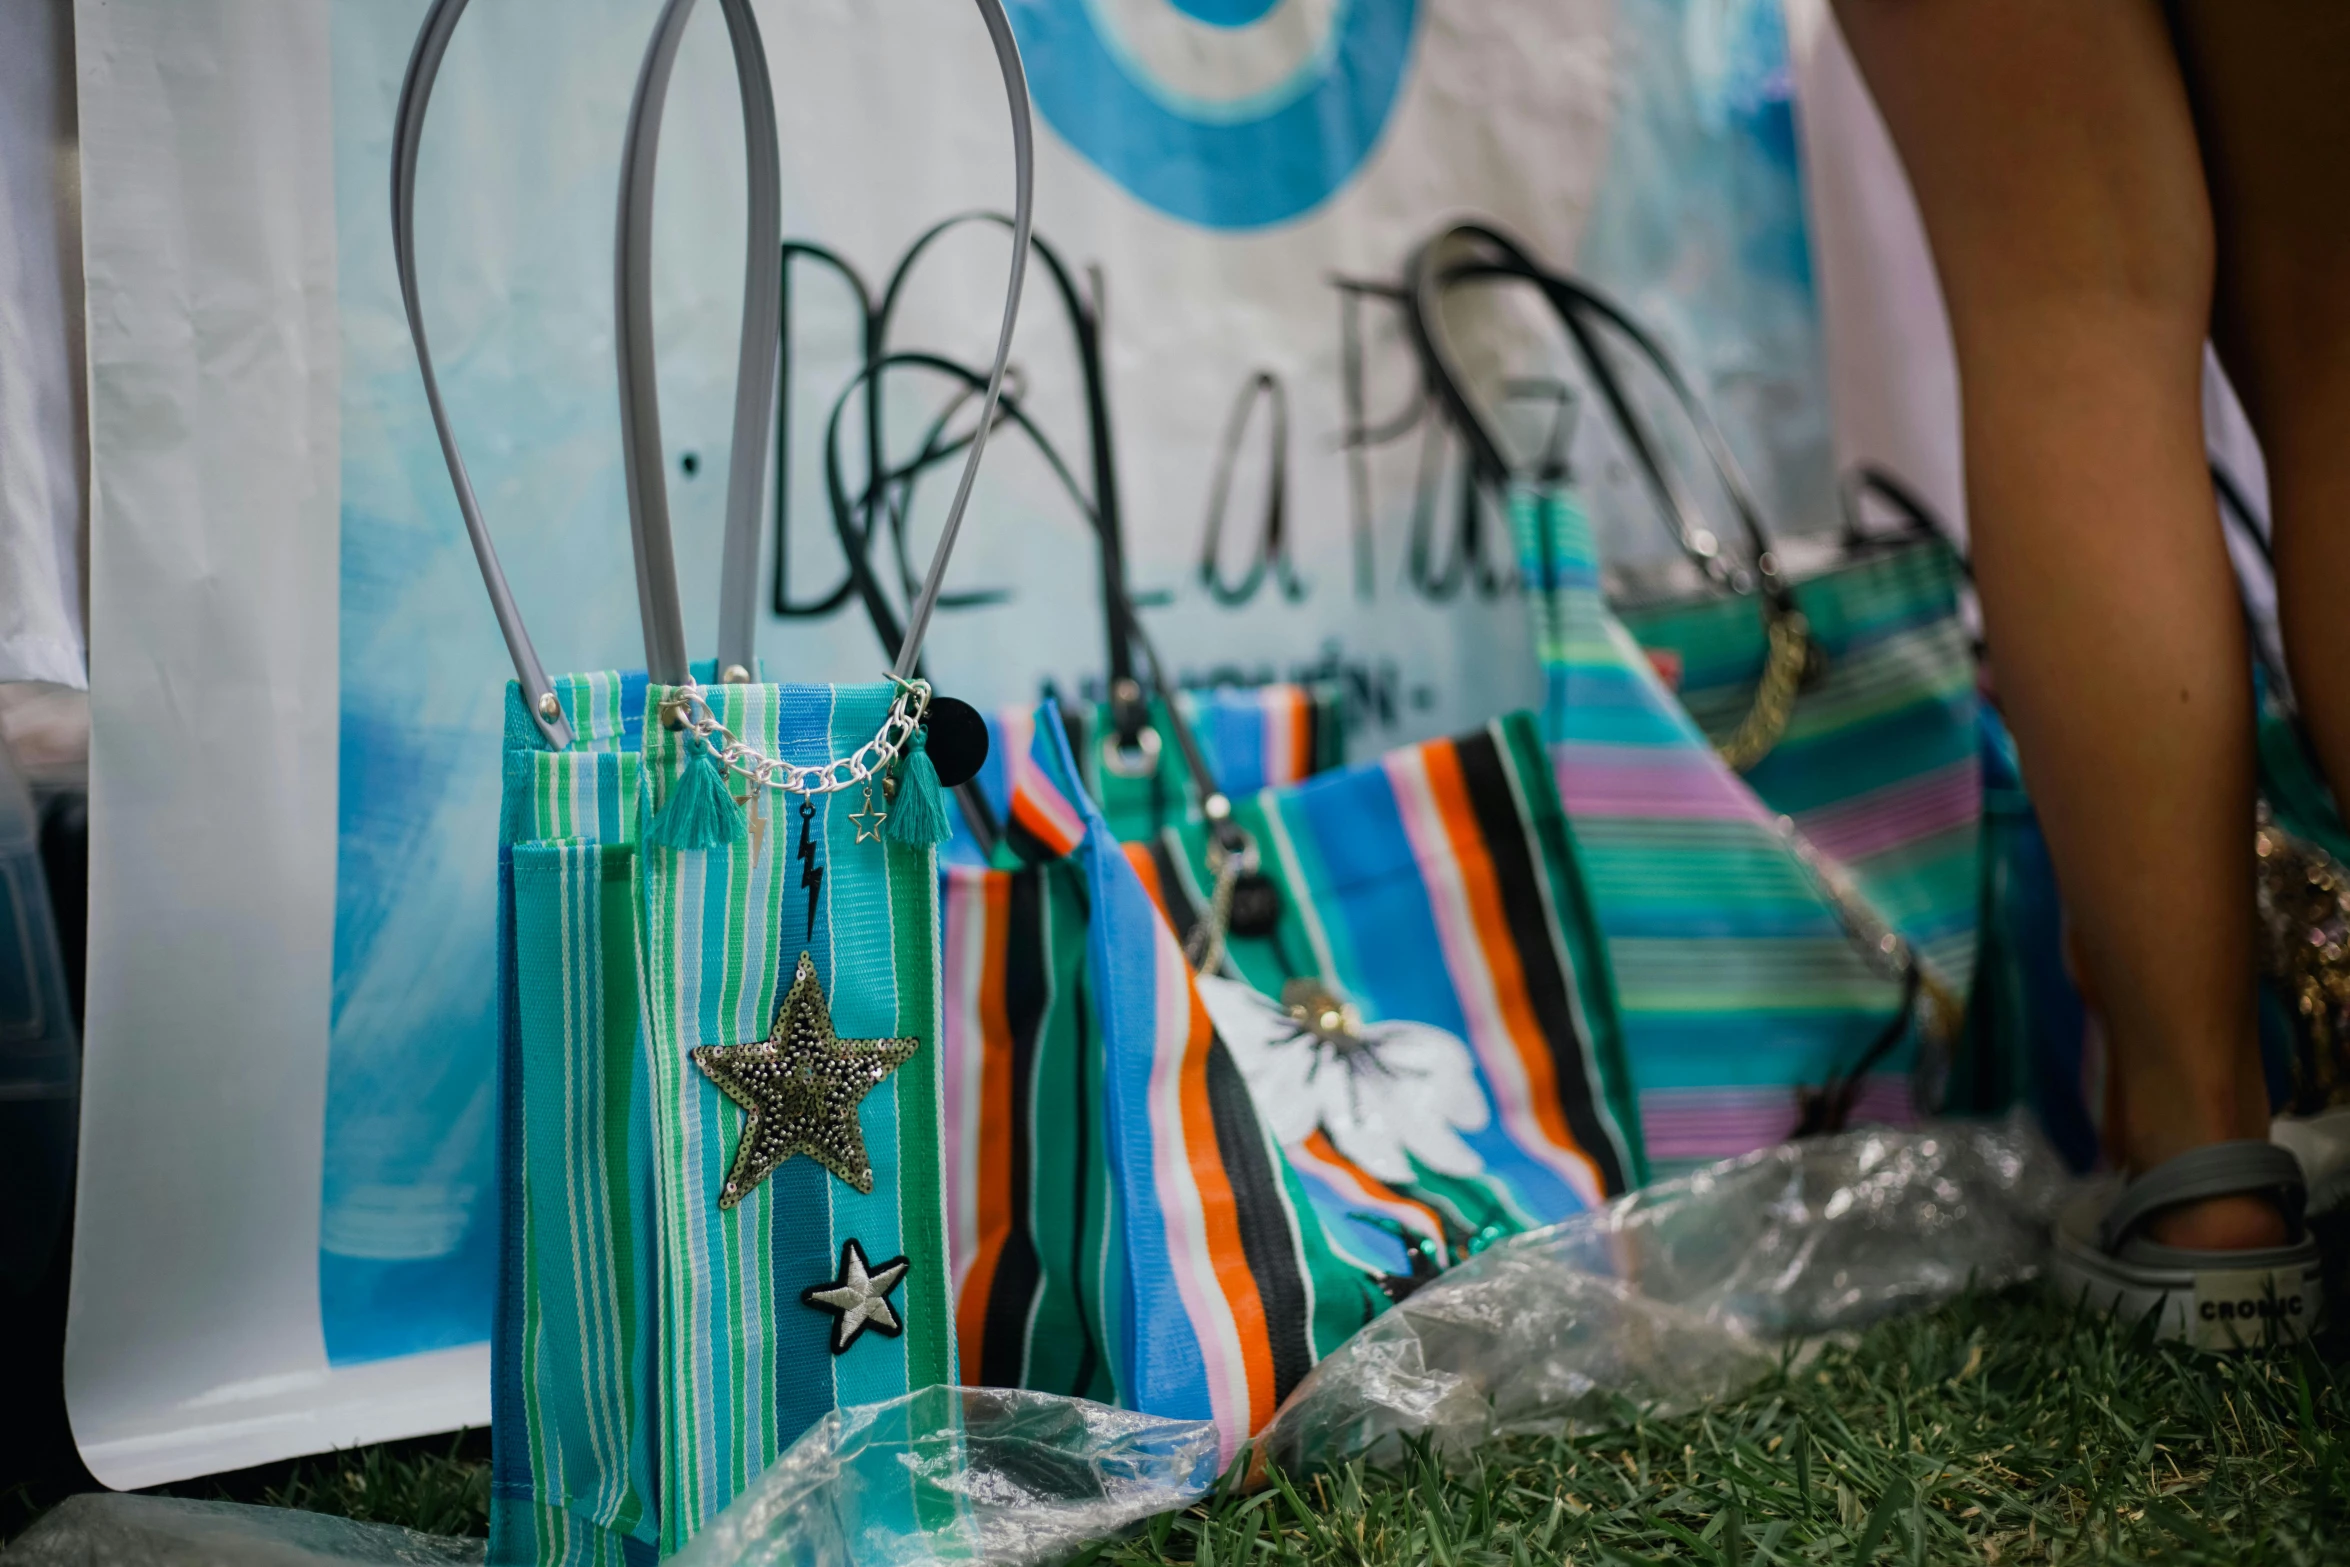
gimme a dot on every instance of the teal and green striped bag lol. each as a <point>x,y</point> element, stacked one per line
<point>791,999</point>
<point>572,1475</point>
<point>719,1146</point>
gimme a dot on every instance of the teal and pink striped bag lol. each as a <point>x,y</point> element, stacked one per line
<point>1742,983</point>
<point>720,1139</point>
<point>1775,782</point>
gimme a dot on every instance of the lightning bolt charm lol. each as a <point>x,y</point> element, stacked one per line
<point>811,873</point>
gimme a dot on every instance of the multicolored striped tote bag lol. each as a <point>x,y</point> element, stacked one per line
<point>1125,1226</point>
<point>1233,1289</point>
<point>1430,1023</point>
<point>1740,981</point>
<point>720,1091</point>
<point>1879,764</point>
<point>572,1477</point>
<point>1764,990</point>
<point>1251,737</point>
<point>1031,1211</point>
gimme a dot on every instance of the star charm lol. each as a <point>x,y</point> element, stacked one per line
<point>859,1298</point>
<point>873,814</point>
<point>800,1087</point>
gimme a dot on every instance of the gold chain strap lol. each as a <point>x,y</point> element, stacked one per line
<point>1785,670</point>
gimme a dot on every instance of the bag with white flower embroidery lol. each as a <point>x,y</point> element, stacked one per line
<point>1402,959</point>
<point>719,1062</point>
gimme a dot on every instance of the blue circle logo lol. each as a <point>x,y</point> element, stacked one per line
<point>1226,113</point>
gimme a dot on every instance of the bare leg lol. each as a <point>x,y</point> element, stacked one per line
<point>2055,160</point>
<point>2271,85</point>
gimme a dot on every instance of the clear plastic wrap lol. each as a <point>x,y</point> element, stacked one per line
<point>1671,1298</point>
<point>1674,1296</point>
<point>112,1530</point>
<point>960,1474</point>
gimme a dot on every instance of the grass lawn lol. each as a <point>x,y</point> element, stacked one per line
<point>1996,1429</point>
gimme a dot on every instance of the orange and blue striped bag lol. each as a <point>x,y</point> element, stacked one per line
<point>1123,1224</point>
<point>1429,1014</point>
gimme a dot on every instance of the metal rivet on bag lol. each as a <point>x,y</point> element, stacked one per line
<point>673,712</point>
<point>734,675</point>
<point>549,709</point>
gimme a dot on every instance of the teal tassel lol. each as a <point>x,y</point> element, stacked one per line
<point>918,815</point>
<point>699,813</point>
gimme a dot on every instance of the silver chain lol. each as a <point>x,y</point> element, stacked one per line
<point>688,709</point>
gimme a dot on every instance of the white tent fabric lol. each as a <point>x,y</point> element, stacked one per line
<point>214,430</point>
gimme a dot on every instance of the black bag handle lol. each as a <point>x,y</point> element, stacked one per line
<point>1581,310</point>
<point>1863,482</point>
<point>856,544</point>
<point>1082,307</point>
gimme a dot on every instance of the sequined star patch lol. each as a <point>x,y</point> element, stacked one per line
<point>800,1088</point>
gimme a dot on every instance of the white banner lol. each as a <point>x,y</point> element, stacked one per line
<point>288,1222</point>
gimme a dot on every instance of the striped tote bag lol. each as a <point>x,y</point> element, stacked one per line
<point>1430,1023</point>
<point>791,1019</point>
<point>1737,970</point>
<point>1124,1225</point>
<point>1879,764</point>
<point>572,1477</point>
<point>1032,1215</point>
<point>1252,737</point>
<point>1765,987</point>
<point>720,1142</point>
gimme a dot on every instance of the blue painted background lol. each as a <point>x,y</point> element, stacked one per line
<point>1242,164</point>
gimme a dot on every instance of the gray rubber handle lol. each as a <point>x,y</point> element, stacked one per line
<point>754,383</point>
<point>424,64</point>
<point>755,372</point>
<point>665,652</point>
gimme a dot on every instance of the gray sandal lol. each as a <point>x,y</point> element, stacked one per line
<point>2211,1299</point>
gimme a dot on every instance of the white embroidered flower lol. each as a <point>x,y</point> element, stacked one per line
<point>1387,1093</point>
